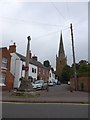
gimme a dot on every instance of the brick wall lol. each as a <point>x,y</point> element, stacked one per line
<point>43,73</point>
<point>9,77</point>
<point>81,80</point>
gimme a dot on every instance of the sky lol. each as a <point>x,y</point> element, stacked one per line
<point>44,21</point>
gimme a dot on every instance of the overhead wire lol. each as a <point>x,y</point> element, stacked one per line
<point>58,11</point>
<point>48,34</point>
<point>45,24</point>
<point>25,21</point>
<point>68,11</point>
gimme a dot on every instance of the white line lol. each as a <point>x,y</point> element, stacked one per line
<point>45,103</point>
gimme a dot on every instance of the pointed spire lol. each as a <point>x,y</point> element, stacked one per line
<point>61,52</point>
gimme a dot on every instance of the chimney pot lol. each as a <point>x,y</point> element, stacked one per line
<point>12,48</point>
<point>35,58</point>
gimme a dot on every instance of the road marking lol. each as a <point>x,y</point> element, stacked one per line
<point>45,103</point>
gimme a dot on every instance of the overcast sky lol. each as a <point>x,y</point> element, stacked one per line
<point>44,21</point>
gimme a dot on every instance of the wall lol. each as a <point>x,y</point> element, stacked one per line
<point>51,76</point>
<point>9,77</point>
<point>80,80</point>
<point>16,67</point>
<point>60,63</point>
<point>43,73</point>
<point>33,74</point>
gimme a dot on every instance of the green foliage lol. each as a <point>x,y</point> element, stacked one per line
<point>82,69</point>
<point>65,76</point>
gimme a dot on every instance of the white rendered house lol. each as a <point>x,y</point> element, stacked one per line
<point>51,76</point>
<point>17,61</point>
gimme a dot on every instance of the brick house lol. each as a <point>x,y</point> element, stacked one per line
<point>83,83</point>
<point>42,72</point>
<point>6,78</point>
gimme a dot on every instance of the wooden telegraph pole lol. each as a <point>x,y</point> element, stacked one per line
<point>75,75</point>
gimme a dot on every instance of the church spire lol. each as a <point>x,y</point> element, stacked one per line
<point>61,52</point>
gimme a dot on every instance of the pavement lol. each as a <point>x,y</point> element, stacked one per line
<point>56,94</point>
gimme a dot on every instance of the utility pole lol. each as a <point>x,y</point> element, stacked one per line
<point>75,75</point>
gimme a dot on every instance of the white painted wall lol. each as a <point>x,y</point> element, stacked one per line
<point>34,75</point>
<point>52,77</point>
<point>16,65</point>
<point>16,70</point>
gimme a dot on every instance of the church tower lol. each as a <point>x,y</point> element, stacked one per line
<point>61,59</point>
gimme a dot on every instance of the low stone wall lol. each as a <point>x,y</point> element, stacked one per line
<point>83,84</point>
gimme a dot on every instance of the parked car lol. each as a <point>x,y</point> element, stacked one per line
<point>50,83</point>
<point>55,81</point>
<point>39,84</point>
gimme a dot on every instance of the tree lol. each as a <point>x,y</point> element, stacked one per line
<point>46,63</point>
<point>65,76</point>
<point>82,68</point>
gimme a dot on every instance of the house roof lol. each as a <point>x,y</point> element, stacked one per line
<point>21,57</point>
<point>32,61</point>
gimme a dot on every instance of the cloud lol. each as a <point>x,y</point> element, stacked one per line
<point>43,22</point>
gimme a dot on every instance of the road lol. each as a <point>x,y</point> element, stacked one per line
<point>44,110</point>
<point>58,93</point>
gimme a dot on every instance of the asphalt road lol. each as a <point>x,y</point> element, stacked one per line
<point>46,110</point>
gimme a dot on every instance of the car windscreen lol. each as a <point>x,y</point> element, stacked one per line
<point>38,82</point>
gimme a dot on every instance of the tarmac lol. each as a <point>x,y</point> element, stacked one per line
<point>51,96</point>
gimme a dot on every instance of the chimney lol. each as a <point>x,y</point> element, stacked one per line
<point>35,57</point>
<point>12,48</point>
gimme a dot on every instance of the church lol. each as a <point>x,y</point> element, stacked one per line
<point>61,59</point>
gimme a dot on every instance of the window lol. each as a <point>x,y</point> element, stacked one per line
<point>4,62</point>
<point>60,61</point>
<point>4,59</point>
<point>33,70</point>
<point>2,78</point>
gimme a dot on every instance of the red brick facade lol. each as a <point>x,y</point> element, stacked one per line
<point>43,73</point>
<point>4,53</point>
<point>83,83</point>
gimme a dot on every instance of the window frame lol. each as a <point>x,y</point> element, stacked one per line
<point>4,63</point>
<point>3,79</point>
